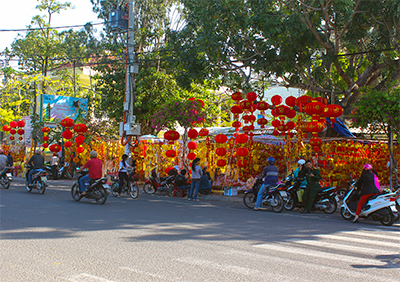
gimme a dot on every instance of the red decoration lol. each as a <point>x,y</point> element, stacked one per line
<point>333,111</point>
<point>322,100</point>
<point>262,121</point>
<point>13,131</point>
<point>245,105</point>
<point>221,138</point>
<point>12,137</point>
<point>314,108</point>
<point>290,101</point>
<point>275,133</point>
<point>20,131</point>
<point>236,110</point>
<point>45,145</point>
<point>13,124</point>
<point>192,133</point>
<point>171,135</point>
<point>192,145</point>
<point>67,122</point>
<point>80,128</point>
<point>80,150</point>
<point>21,138</point>
<point>204,132</point>
<point>79,140</point>
<point>55,148</point>
<point>276,123</point>
<point>45,138</point>
<point>236,124</point>
<point>68,144</point>
<point>242,152</point>
<point>6,128</point>
<point>262,106</point>
<point>242,163</point>
<point>237,96</point>
<point>317,149</point>
<point>67,134</point>
<point>21,123</point>
<point>220,152</point>
<point>251,96</point>
<point>315,142</point>
<point>242,138</point>
<point>303,100</point>
<point>291,114</point>
<point>201,102</point>
<point>191,156</point>
<point>170,153</point>
<point>276,100</point>
<point>291,124</point>
<point>221,163</point>
<point>291,134</point>
<point>45,130</point>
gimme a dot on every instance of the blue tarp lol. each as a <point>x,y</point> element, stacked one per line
<point>340,128</point>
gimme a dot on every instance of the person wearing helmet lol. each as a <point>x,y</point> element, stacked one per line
<point>368,185</point>
<point>95,167</point>
<point>300,170</point>
<point>270,176</point>
<point>313,177</point>
<point>38,162</point>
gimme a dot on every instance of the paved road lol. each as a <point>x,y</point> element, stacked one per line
<point>153,238</point>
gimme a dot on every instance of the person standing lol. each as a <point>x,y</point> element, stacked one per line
<point>123,173</point>
<point>38,162</point>
<point>95,167</point>
<point>270,175</point>
<point>54,164</point>
<point>368,185</point>
<point>312,176</point>
<point>197,172</point>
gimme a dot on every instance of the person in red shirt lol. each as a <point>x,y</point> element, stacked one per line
<point>95,167</point>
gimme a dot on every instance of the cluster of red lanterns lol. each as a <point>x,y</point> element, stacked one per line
<point>15,127</point>
<point>171,136</point>
<point>80,128</point>
<point>282,112</point>
<point>192,145</point>
<point>221,151</point>
<point>67,134</point>
<point>45,137</point>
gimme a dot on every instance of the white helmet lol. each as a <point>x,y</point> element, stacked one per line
<point>301,162</point>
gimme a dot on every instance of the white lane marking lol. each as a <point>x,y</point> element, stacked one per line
<point>368,233</point>
<point>318,254</point>
<point>154,275</point>
<point>84,277</point>
<point>347,248</point>
<point>358,240</point>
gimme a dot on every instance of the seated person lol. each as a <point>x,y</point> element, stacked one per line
<point>205,182</point>
<point>181,181</point>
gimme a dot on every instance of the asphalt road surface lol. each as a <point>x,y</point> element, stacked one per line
<point>50,237</point>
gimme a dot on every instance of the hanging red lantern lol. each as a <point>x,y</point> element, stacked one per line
<point>333,111</point>
<point>252,118</point>
<point>67,122</point>
<point>276,100</point>
<point>315,126</point>
<point>79,140</point>
<point>291,124</point>
<point>322,100</point>
<point>192,133</point>
<point>236,124</point>
<point>13,131</point>
<point>291,134</point>
<point>220,152</point>
<point>45,130</point>
<point>21,123</point>
<point>67,134</point>
<point>242,152</point>
<point>242,163</point>
<point>45,145</point>
<point>245,105</point>
<point>192,145</point>
<point>191,156</point>
<point>221,138</point>
<point>242,138</point>
<point>221,163</point>
<point>280,110</point>
<point>290,101</point>
<point>251,96</point>
<point>236,110</point>
<point>45,138</point>
<point>13,124</point>
<point>315,142</point>
<point>170,153</point>
<point>275,133</point>
<point>80,128</point>
<point>262,106</point>
<point>314,108</point>
<point>303,100</point>
<point>68,144</point>
<point>55,148</point>
<point>171,135</point>
<point>262,122</point>
<point>80,150</point>
<point>275,123</point>
<point>237,96</point>
<point>20,131</point>
<point>317,149</point>
<point>291,114</point>
<point>204,132</point>
<point>6,128</point>
<point>20,138</point>
<point>12,138</point>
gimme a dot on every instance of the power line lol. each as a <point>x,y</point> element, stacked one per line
<point>57,27</point>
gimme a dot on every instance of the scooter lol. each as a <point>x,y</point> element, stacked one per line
<point>154,184</point>
<point>6,177</point>
<point>98,189</point>
<point>381,207</point>
<point>129,188</point>
<point>39,180</point>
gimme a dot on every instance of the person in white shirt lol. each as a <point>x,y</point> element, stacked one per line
<point>54,163</point>
<point>123,173</point>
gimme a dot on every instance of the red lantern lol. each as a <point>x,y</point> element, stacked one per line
<point>203,132</point>
<point>333,111</point>
<point>192,145</point>
<point>262,122</point>
<point>20,131</point>
<point>275,133</point>
<point>315,126</point>
<point>67,144</point>
<point>79,140</point>
<point>251,96</point>
<point>221,163</point>
<point>315,142</point>
<point>45,130</point>
<point>236,124</point>
<point>170,153</point>
<point>291,124</point>
<point>291,114</point>
<point>314,108</point>
<point>303,100</point>
<point>21,123</point>
<point>6,128</point>
<point>237,96</point>
<point>221,138</point>
<point>220,152</point>
<point>192,133</point>
<point>245,105</point>
<point>280,110</point>
<point>317,149</point>
<point>12,138</point>
<point>80,150</point>
<point>290,101</point>
<point>13,131</point>
<point>67,122</point>
<point>45,138</point>
<point>236,110</point>
<point>191,156</point>
<point>276,123</point>
<point>171,135</point>
<point>21,138</point>
<point>242,138</point>
<point>45,145</point>
<point>13,124</point>
<point>262,106</point>
<point>291,134</point>
<point>322,100</point>
<point>80,128</point>
<point>276,100</point>
<point>242,163</point>
<point>67,134</point>
<point>242,152</point>
<point>55,148</point>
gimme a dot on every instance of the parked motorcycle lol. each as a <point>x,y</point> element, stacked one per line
<point>63,172</point>
<point>381,207</point>
<point>129,188</point>
<point>39,180</point>
<point>274,197</point>
<point>98,189</point>
<point>6,177</point>
<point>153,184</point>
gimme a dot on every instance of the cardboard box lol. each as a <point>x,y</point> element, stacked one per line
<point>230,191</point>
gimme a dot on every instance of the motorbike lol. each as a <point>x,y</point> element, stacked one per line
<point>274,197</point>
<point>39,180</point>
<point>381,207</point>
<point>164,184</point>
<point>6,177</point>
<point>129,188</point>
<point>63,172</point>
<point>326,199</point>
<point>98,189</point>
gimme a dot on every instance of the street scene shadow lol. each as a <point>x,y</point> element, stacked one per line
<point>390,261</point>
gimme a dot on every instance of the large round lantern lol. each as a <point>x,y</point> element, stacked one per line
<point>55,148</point>
<point>21,123</point>
<point>237,96</point>
<point>68,144</point>
<point>170,153</point>
<point>236,110</point>
<point>290,101</point>
<point>6,128</point>
<point>192,145</point>
<point>80,149</point>
<point>67,134</point>
<point>303,100</point>
<point>79,140</point>
<point>45,138</point>
<point>315,142</point>
<point>242,152</point>
<point>242,163</point>
<point>67,122</point>
<point>45,145</point>
<point>245,105</point>
<point>333,111</point>
<point>13,124</point>
<point>322,100</point>
<point>315,127</point>
<point>262,106</point>
<point>220,152</point>
<point>275,132</point>
<point>221,138</point>
<point>12,138</point>
<point>251,96</point>
<point>291,124</point>
<point>262,122</point>
<point>236,124</point>
<point>13,131</point>
<point>171,135</point>
<point>221,163</point>
<point>242,138</point>
<point>291,114</point>
<point>45,129</point>
<point>275,123</point>
<point>192,133</point>
<point>276,100</point>
<point>204,132</point>
<point>80,128</point>
<point>314,108</point>
<point>191,156</point>
<point>20,131</point>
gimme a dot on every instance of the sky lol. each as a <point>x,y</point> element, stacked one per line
<point>17,14</point>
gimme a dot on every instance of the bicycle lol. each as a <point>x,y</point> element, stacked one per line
<point>129,188</point>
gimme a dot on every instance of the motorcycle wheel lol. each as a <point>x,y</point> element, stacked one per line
<point>75,192</point>
<point>5,182</point>
<point>133,190</point>
<point>346,214</point>
<point>279,203</point>
<point>249,200</point>
<point>289,203</point>
<point>103,196</point>
<point>389,218</point>
<point>148,188</point>
<point>332,206</point>
<point>114,189</point>
<point>27,187</point>
<point>41,187</point>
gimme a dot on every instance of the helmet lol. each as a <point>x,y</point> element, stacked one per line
<point>301,162</point>
<point>271,160</point>
<point>367,167</point>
